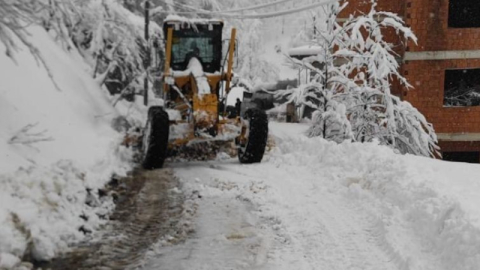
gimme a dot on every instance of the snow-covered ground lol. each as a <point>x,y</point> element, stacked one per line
<point>57,147</point>
<point>313,204</point>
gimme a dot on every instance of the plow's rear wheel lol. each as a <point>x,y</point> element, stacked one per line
<point>155,138</point>
<point>253,149</point>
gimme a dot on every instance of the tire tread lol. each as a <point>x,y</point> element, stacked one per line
<point>257,137</point>
<point>157,152</point>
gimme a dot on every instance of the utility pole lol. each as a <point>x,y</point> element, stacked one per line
<point>146,63</point>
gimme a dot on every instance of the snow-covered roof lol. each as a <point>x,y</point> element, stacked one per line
<point>282,108</point>
<point>180,19</point>
<point>305,50</point>
<point>265,87</point>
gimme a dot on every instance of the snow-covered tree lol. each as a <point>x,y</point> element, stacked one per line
<point>251,66</point>
<point>112,38</point>
<point>355,70</point>
<point>14,16</point>
<point>332,123</point>
<point>108,36</point>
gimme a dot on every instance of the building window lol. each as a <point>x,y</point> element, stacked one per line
<point>463,13</point>
<point>462,88</point>
<point>469,157</point>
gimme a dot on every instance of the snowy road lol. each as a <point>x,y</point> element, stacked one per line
<point>280,214</point>
<point>310,204</point>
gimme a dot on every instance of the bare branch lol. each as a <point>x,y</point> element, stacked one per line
<point>26,136</point>
<point>15,17</point>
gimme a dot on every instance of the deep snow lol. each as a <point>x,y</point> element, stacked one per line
<point>313,204</point>
<point>45,185</point>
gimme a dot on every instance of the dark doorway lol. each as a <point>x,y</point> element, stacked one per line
<point>462,87</point>
<point>468,157</point>
<point>464,13</point>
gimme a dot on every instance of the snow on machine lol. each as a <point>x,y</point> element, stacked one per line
<point>196,81</point>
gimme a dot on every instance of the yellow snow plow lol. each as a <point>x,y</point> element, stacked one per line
<point>196,82</point>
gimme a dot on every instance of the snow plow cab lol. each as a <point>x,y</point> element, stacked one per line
<point>196,81</point>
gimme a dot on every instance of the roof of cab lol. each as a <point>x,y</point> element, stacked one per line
<point>174,19</point>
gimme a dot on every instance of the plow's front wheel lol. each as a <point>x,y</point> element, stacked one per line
<point>155,138</point>
<point>253,149</point>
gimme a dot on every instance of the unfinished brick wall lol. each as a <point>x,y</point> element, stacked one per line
<point>460,146</point>
<point>429,21</point>
<point>428,78</point>
<point>356,7</point>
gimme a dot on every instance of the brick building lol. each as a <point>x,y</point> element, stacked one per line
<point>444,67</point>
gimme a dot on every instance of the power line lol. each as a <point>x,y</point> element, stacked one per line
<point>258,6</point>
<point>230,10</point>
<point>235,10</point>
<point>225,14</point>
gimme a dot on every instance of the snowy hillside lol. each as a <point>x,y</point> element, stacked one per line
<point>56,145</point>
<point>313,204</point>
<point>29,97</point>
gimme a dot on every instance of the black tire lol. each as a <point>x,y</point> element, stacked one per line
<point>155,138</point>
<point>253,150</point>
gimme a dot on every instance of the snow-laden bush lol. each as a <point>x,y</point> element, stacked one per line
<point>332,124</point>
<point>354,72</point>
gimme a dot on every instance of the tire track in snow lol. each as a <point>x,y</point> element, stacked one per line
<point>227,234</point>
<point>333,234</point>
<point>149,211</point>
<point>325,230</point>
<point>299,214</point>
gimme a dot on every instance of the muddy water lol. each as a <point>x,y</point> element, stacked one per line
<point>149,207</point>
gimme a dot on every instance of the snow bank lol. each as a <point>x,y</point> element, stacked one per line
<point>57,148</point>
<point>436,200</point>
<point>76,116</point>
<point>315,204</point>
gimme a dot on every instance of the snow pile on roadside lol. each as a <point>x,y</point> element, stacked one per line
<point>44,208</point>
<point>57,147</point>
<point>404,193</point>
<point>315,204</point>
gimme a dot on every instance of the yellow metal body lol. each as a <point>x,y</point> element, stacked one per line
<point>168,55</point>
<point>231,50</point>
<point>205,111</point>
<point>205,107</point>
<point>213,81</point>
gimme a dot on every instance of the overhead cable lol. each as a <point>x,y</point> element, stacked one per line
<point>254,16</point>
<point>257,6</point>
<point>236,10</point>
